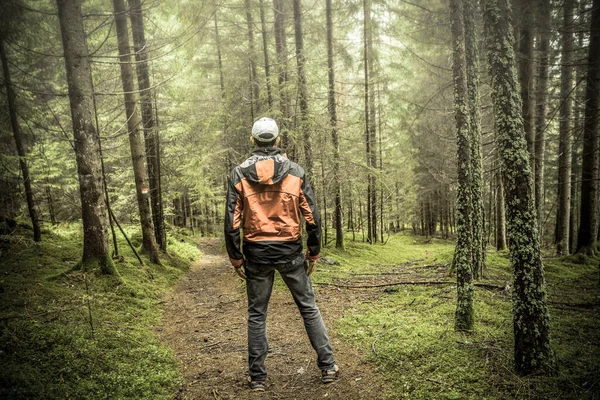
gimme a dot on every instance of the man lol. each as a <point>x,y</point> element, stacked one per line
<point>266,197</point>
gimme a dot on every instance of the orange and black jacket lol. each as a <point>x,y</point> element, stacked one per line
<point>267,196</point>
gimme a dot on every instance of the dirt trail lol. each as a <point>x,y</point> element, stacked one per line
<point>205,323</point>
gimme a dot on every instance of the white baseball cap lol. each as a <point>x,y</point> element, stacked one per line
<point>265,130</point>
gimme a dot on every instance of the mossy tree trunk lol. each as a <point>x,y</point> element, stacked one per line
<point>337,187</point>
<point>16,128</point>
<point>282,75</point>
<point>136,144</point>
<point>472,69</point>
<point>91,188</point>
<point>254,85</point>
<point>564,146</point>
<point>532,352</point>
<point>149,121</point>
<point>464,241</point>
<point>588,222</point>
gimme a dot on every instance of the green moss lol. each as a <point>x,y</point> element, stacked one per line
<point>47,345</point>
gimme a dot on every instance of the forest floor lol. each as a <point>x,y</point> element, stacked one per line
<point>205,323</point>
<point>393,335</point>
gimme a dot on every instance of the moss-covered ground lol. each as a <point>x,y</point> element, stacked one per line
<point>408,329</point>
<point>65,334</point>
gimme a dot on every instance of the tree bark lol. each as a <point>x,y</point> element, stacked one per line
<point>472,71</point>
<point>463,317</point>
<point>252,56</point>
<point>500,214</point>
<point>303,94</point>
<point>588,221</point>
<point>532,352</point>
<point>544,35</point>
<point>151,137</point>
<point>263,26</point>
<point>564,146</point>
<point>16,128</point>
<point>91,188</point>
<point>331,105</point>
<point>282,75</point>
<point>133,124</point>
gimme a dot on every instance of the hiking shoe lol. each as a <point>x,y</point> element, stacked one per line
<point>330,375</point>
<point>256,386</point>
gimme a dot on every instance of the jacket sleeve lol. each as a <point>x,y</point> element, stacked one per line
<point>308,208</point>
<point>234,206</point>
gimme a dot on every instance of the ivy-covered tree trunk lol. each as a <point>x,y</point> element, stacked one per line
<point>564,146</point>
<point>532,352</point>
<point>263,26</point>
<point>302,92</point>
<point>16,128</point>
<point>337,187</point>
<point>133,125</point>
<point>91,188</point>
<point>472,69</point>
<point>544,35</point>
<point>588,222</point>
<point>151,137</point>
<point>463,320</point>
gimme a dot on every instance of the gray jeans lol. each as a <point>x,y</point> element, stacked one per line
<point>259,285</point>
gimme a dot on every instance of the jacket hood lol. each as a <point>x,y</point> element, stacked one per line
<point>266,166</point>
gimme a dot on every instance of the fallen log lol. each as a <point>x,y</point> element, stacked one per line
<point>344,286</point>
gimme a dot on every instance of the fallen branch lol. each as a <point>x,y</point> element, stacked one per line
<point>482,285</point>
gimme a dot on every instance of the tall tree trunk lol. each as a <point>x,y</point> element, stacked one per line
<point>532,352</point>
<point>252,56</point>
<point>263,26</point>
<point>282,75</point>
<point>525,68</point>
<point>133,124</point>
<point>463,318</point>
<point>564,147</point>
<point>91,188</point>
<point>151,138</point>
<point>588,221</point>
<point>544,34</point>
<point>303,95</point>
<point>16,128</point>
<point>500,214</point>
<point>472,70</point>
<point>331,105</point>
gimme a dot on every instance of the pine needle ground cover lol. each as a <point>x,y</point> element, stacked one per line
<point>407,330</point>
<point>74,335</point>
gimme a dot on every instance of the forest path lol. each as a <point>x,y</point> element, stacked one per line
<point>205,324</point>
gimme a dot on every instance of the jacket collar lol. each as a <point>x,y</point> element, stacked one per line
<point>266,151</point>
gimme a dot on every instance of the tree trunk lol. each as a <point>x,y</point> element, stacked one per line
<point>151,137</point>
<point>303,95</point>
<point>564,147</point>
<point>463,318</point>
<point>252,56</point>
<point>588,220</point>
<point>544,35</point>
<point>91,188</point>
<point>282,75</point>
<point>133,123</point>
<point>331,105</point>
<point>500,214</point>
<point>472,71</point>
<point>263,26</point>
<point>16,128</point>
<point>532,352</point>
<point>525,68</point>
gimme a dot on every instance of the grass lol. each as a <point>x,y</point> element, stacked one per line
<point>409,333</point>
<point>81,335</point>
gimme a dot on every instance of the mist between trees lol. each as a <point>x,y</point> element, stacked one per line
<point>460,119</point>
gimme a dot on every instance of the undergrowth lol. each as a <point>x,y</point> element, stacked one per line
<point>408,333</point>
<point>68,334</point>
